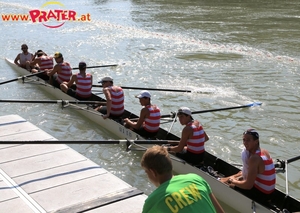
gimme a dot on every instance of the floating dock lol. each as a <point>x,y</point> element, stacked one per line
<point>56,178</point>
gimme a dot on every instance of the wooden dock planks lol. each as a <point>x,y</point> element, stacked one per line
<point>54,177</point>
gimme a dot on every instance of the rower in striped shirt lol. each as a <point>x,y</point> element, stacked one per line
<point>83,82</point>
<point>114,99</point>
<point>193,137</point>
<point>148,123</point>
<point>258,178</point>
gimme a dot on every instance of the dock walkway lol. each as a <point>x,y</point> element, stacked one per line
<point>54,177</point>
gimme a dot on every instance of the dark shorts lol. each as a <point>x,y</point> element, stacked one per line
<point>72,93</point>
<point>103,110</point>
<point>43,76</point>
<point>256,195</point>
<point>194,159</point>
<point>144,133</point>
<point>55,83</point>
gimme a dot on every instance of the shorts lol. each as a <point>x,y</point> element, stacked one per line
<point>192,158</point>
<point>144,133</point>
<point>103,110</point>
<point>73,93</point>
<point>255,195</point>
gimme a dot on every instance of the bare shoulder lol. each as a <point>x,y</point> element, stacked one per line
<point>265,153</point>
<point>255,159</point>
<point>187,129</point>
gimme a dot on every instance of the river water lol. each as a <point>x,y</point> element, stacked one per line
<point>228,52</point>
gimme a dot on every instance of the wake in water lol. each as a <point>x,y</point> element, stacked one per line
<point>202,44</point>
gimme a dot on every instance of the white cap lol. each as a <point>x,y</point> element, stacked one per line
<point>144,94</point>
<point>107,78</point>
<point>185,110</point>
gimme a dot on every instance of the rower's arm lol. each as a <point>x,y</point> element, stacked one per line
<point>185,135</point>
<point>72,80</point>
<point>108,100</point>
<point>136,125</point>
<point>206,137</point>
<point>16,61</point>
<point>253,167</point>
<point>33,62</point>
<point>56,69</point>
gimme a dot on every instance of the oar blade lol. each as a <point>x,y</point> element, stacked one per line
<point>221,109</point>
<point>254,104</point>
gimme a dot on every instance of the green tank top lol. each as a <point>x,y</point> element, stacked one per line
<point>187,193</point>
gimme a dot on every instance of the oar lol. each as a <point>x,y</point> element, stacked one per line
<point>93,142</point>
<point>109,65</point>
<point>21,77</point>
<point>220,109</point>
<point>52,101</point>
<point>157,89</point>
<point>293,159</point>
<point>75,68</point>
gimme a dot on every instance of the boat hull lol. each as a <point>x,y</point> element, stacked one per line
<point>224,193</point>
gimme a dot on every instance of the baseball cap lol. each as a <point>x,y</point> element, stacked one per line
<point>107,78</point>
<point>185,110</point>
<point>144,94</point>
<point>58,55</point>
<point>82,65</point>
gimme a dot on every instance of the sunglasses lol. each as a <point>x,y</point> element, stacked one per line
<point>251,132</point>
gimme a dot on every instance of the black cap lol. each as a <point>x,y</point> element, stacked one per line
<point>82,65</point>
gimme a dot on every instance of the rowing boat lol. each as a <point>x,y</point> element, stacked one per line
<point>225,194</point>
<point>88,111</point>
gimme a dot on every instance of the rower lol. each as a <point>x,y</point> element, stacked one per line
<point>148,123</point>
<point>114,99</point>
<point>258,178</point>
<point>23,59</point>
<point>83,83</point>
<point>61,72</point>
<point>41,62</point>
<point>191,145</point>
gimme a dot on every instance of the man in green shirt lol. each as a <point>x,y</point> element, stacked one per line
<point>188,193</point>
